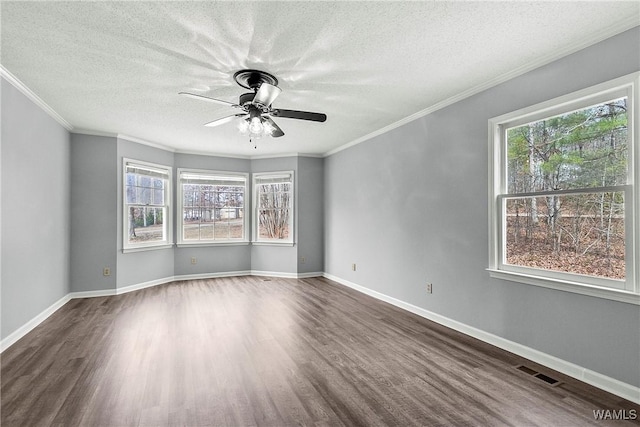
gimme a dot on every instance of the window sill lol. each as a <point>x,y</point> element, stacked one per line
<point>146,248</point>
<point>266,243</point>
<point>566,286</point>
<point>205,244</point>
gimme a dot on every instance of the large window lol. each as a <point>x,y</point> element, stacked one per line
<point>273,208</point>
<point>564,193</point>
<point>146,205</point>
<point>212,207</point>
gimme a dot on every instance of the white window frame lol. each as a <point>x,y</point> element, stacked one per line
<point>167,242</point>
<point>626,291</point>
<point>256,240</point>
<point>182,172</point>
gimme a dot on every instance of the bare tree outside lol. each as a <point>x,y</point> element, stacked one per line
<point>274,210</point>
<point>577,161</point>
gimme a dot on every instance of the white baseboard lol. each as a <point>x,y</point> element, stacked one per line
<point>31,324</point>
<point>285,275</point>
<point>248,273</point>
<point>92,294</point>
<point>203,276</point>
<point>143,285</point>
<point>310,274</point>
<point>612,385</point>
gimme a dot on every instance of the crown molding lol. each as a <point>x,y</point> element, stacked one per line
<point>277,156</point>
<point>15,82</point>
<point>94,133</point>
<point>208,153</point>
<point>627,24</point>
<point>145,142</point>
<point>200,153</point>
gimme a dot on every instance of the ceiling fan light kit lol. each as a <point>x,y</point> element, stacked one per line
<point>255,120</point>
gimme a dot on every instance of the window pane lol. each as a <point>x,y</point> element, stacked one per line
<point>158,196</point>
<point>583,149</point>
<point>146,224</point>
<point>206,231</point>
<point>274,209</point>
<point>222,230</point>
<point>583,233</point>
<point>273,224</point>
<point>131,194</point>
<point>218,208</point>
<point>191,224</point>
<point>144,190</point>
<point>236,229</point>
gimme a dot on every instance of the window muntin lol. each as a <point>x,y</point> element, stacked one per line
<point>273,217</point>
<point>146,204</point>
<point>563,191</point>
<point>212,207</point>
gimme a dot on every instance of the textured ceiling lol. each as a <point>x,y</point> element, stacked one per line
<point>117,67</point>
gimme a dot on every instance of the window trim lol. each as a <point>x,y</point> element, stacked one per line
<point>168,217</point>
<point>180,222</point>
<point>255,240</point>
<point>629,86</point>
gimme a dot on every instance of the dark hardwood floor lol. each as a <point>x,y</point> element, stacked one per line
<point>257,351</point>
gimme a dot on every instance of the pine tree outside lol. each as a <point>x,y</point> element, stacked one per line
<point>560,211</point>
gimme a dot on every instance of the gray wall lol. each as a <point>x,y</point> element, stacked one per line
<point>278,259</point>
<point>93,212</point>
<point>414,211</point>
<point>140,267</point>
<point>213,259</point>
<point>35,210</point>
<point>310,214</point>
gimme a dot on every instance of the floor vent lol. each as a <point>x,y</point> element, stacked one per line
<point>526,370</point>
<point>547,379</point>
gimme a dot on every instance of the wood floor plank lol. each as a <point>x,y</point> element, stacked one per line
<point>256,351</point>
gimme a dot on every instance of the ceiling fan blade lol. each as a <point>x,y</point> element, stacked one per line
<point>206,98</point>
<point>277,132</point>
<point>223,120</point>
<point>266,94</point>
<point>302,115</point>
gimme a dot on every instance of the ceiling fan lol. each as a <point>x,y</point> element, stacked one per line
<point>256,106</point>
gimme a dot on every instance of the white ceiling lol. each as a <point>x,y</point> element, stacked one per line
<point>117,67</point>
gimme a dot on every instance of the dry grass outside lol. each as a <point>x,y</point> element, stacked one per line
<point>218,230</point>
<point>150,233</point>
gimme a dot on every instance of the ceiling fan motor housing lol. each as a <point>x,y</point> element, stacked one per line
<point>246,98</point>
<point>252,79</point>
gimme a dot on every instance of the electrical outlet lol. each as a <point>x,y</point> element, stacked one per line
<point>353,266</point>
<point>429,288</point>
<point>302,260</point>
<point>194,260</point>
<point>106,271</point>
